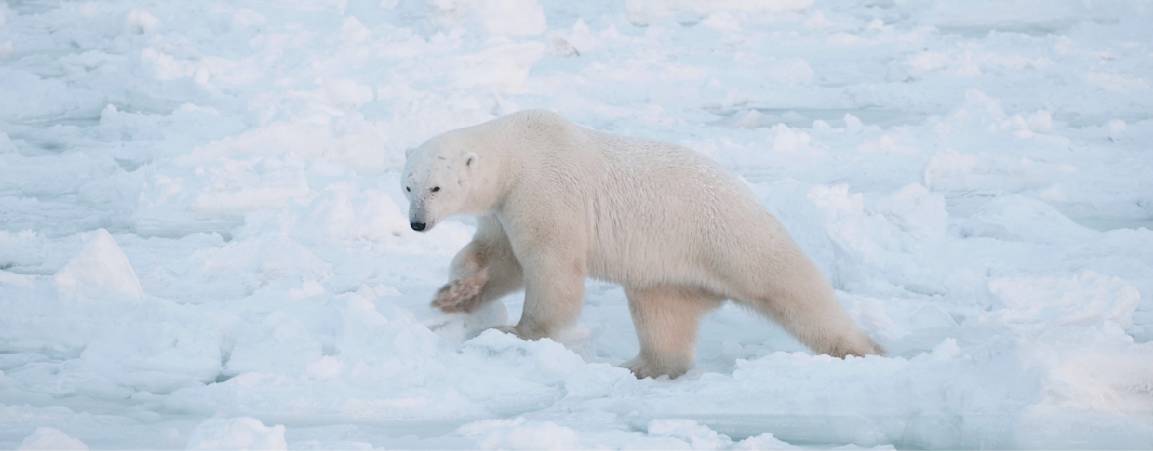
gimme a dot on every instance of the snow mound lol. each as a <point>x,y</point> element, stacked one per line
<point>46,438</point>
<point>237,433</point>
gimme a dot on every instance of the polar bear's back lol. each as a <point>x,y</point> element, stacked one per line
<point>662,209</point>
<point>674,178</point>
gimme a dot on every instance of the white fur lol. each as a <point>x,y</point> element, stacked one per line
<point>558,203</point>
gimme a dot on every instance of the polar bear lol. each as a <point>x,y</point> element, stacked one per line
<point>557,203</point>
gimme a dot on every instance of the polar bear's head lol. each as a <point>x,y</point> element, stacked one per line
<point>438,180</point>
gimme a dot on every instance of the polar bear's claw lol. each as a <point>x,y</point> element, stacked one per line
<point>460,295</point>
<point>642,368</point>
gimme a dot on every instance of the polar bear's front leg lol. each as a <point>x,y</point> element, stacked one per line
<point>554,293</point>
<point>482,272</point>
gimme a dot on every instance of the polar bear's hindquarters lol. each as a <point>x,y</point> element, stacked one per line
<point>786,286</point>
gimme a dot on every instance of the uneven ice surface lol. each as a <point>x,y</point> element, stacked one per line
<point>203,242</point>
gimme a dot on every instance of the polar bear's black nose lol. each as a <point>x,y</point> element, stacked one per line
<point>417,226</point>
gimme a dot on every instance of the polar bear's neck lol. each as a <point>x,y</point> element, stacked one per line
<point>511,148</point>
<point>495,174</point>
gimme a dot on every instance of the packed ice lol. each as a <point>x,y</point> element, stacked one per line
<point>203,242</point>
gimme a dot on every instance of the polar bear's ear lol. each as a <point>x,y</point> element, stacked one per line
<point>470,160</point>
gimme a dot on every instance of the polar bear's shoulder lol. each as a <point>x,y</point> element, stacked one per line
<point>537,116</point>
<point>523,129</point>
<point>537,121</point>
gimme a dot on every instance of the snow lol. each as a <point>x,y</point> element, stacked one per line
<point>50,439</point>
<point>203,243</point>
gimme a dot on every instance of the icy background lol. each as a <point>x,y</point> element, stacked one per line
<point>203,241</point>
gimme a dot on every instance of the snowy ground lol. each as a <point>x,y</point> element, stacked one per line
<point>203,242</point>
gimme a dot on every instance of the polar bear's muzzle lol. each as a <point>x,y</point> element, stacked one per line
<point>418,221</point>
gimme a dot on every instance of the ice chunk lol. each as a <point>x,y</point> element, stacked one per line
<point>100,270</point>
<point>761,442</point>
<point>697,435</point>
<point>511,17</point>
<point>1085,299</point>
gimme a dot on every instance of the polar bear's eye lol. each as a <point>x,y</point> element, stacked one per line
<point>435,189</point>
<point>408,188</point>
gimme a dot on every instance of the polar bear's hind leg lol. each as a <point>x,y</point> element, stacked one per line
<point>805,306</point>
<point>666,319</point>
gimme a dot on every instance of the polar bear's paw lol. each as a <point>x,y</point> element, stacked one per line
<point>644,368</point>
<point>460,295</point>
<point>506,329</point>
